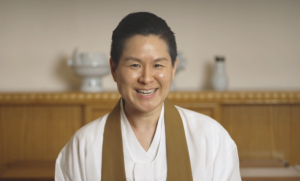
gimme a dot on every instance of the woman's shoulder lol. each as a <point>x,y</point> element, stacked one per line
<point>199,125</point>
<point>90,131</point>
<point>72,159</point>
<point>198,119</point>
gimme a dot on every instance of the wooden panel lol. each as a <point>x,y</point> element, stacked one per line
<point>264,131</point>
<point>249,127</point>
<point>271,179</point>
<point>295,135</point>
<point>36,132</point>
<point>279,121</point>
<point>263,163</point>
<point>30,170</point>
<point>94,111</point>
<point>35,126</point>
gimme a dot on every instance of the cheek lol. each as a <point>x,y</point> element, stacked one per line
<point>127,77</point>
<point>165,77</point>
<point>161,75</point>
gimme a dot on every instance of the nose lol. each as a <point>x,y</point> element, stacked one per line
<point>146,75</point>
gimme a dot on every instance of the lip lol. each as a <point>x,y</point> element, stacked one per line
<point>146,96</point>
<point>146,89</point>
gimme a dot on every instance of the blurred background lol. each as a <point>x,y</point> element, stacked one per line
<point>41,106</point>
<point>260,40</point>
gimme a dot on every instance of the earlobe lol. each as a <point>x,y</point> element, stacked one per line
<point>113,69</point>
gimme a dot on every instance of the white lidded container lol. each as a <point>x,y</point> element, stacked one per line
<point>219,79</point>
<point>91,67</point>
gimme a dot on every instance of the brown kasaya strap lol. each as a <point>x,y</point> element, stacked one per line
<point>113,167</point>
<point>178,161</point>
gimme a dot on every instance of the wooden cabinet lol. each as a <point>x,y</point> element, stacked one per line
<point>34,127</point>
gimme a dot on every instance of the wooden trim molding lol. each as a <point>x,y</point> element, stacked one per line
<point>206,96</point>
<point>237,97</point>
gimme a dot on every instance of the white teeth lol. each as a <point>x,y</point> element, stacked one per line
<point>146,92</point>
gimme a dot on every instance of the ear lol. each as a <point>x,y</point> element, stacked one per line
<point>113,69</point>
<point>174,69</point>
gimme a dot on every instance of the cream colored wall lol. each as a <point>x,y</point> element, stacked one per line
<point>260,39</point>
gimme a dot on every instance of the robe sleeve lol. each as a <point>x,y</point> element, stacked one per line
<point>226,163</point>
<point>70,161</point>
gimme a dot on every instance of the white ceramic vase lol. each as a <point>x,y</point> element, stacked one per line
<point>91,67</point>
<point>219,79</point>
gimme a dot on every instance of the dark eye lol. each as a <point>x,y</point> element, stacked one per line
<point>135,65</point>
<point>157,65</point>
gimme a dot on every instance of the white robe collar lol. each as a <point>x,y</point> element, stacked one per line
<point>135,149</point>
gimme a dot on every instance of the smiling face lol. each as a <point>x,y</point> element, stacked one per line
<point>145,73</point>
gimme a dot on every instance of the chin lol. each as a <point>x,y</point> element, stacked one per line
<point>148,105</point>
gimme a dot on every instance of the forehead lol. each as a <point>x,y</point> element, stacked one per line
<point>150,45</point>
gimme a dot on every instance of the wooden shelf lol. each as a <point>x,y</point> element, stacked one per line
<point>257,163</point>
<point>29,171</point>
<point>272,179</point>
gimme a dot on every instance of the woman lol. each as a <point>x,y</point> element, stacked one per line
<point>145,137</point>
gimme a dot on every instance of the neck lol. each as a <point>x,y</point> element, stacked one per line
<point>143,124</point>
<point>142,120</point>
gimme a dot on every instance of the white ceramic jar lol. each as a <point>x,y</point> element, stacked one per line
<point>219,79</point>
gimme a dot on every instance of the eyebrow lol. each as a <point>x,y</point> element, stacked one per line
<point>139,60</point>
<point>132,58</point>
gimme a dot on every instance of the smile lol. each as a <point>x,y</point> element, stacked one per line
<point>146,92</point>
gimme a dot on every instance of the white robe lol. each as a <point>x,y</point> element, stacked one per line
<point>213,154</point>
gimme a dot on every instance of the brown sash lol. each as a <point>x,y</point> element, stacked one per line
<point>178,160</point>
